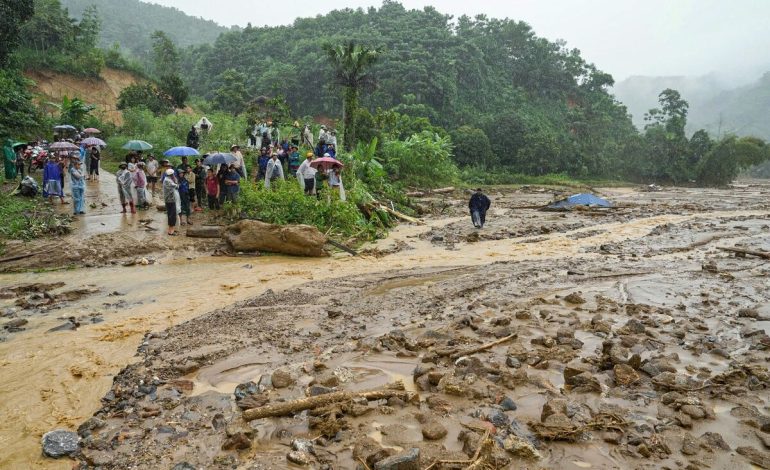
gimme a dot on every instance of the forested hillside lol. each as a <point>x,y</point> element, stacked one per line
<point>543,108</point>
<point>130,23</point>
<point>741,111</point>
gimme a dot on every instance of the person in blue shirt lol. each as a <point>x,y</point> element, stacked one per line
<point>232,184</point>
<point>331,151</point>
<point>184,196</point>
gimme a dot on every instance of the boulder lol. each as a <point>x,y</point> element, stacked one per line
<point>625,374</point>
<point>409,460</point>
<point>60,443</point>
<point>296,240</point>
<point>281,379</point>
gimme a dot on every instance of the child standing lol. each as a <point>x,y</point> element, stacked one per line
<point>212,189</point>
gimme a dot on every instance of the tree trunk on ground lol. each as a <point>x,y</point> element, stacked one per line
<point>296,240</point>
<point>206,231</point>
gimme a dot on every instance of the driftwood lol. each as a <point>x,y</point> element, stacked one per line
<point>401,216</point>
<point>741,251</point>
<point>455,354</point>
<point>206,231</point>
<point>16,257</point>
<point>342,247</point>
<point>302,404</point>
<point>427,192</point>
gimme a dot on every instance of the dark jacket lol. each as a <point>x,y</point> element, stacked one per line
<point>479,202</point>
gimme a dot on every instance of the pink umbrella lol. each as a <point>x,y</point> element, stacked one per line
<point>326,163</point>
<point>62,145</point>
<point>93,141</point>
<point>91,130</point>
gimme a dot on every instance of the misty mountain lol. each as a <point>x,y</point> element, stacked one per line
<point>130,23</point>
<point>714,105</point>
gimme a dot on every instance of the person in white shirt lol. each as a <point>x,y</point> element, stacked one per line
<point>152,172</point>
<point>306,175</point>
<point>274,170</point>
<point>239,163</point>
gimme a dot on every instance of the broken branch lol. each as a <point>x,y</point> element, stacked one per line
<point>741,251</point>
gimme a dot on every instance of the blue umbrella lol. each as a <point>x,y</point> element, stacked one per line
<point>181,152</point>
<point>219,159</point>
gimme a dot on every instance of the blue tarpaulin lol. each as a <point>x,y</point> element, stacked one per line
<point>583,199</point>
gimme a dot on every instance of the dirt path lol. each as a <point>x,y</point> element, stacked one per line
<point>56,379</point>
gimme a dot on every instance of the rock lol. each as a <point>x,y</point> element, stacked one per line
<point>644,451</point>
<point>613,436</point>
<point>520,448</point>
<point>585,383</point>
<point>367,449</point>
<point>245,389</point>
<point>695,412</point>
<point>298,457</point>
<point>575,298</point>
<point>553,406</point>
<point>748,313</point>
<point>507,404</point>
<point>757,457</point>
<point>238,441</point>
<point>91,424</point>
<point>409,460</point>
<point>572,370</point>
<point>625,374</point>
<point>634,327</point>
<point>512,362</point>
<point>183,466</point>
<point>15,323</point>
<point>60,443</point>
<point>689,445</point>
<point>316,390</point>
<point>712,441</point>
<point>297,240</point>
<point>432,430</point>
<point>281,379</point>
<point>303,445</point>
<point>498,419</point>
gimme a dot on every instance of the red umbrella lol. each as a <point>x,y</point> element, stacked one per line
<point>91,130</point>
<point>326,163</point>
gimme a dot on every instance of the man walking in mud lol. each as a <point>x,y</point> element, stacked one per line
<point>479,205</point>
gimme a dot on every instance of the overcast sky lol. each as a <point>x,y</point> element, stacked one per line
<point>622,37</point>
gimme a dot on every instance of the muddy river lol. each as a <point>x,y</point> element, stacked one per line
<point>366,322</point>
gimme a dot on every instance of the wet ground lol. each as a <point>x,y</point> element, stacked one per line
<point>662,345</point>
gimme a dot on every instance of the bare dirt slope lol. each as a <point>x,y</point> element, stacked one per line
<point>102,92</point>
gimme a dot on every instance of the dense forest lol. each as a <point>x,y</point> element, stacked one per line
<point>130,23</point>
<point>498,98</point>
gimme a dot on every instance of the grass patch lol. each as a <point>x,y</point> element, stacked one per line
<point>26,219</point>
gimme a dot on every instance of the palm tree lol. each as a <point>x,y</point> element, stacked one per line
<point>350,62</point>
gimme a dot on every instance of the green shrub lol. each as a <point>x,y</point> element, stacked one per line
<point>421,160</point>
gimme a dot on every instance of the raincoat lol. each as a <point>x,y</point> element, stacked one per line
<point>273,171</point>
<point>9,158</point>
<point>78,185</point>
<point>52,180</point>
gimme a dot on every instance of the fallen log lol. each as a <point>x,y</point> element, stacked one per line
<point>454,354</point>
<point>206,231</point>
<point>401,216</point>
<point>428,192</point>
<point>741,251</point>
<point>309,403</point>
<point>295,240</point>
<point>16,257</point>
<point>342,247</point>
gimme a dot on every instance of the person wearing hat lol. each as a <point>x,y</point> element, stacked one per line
<point>306,175</point>
<point>184,196</point>
<point>78,184</point>
<point>125,180</point>
<point>332,138</point>
<point>169,198</point>
<point>322,136</point>
<point>240,165</point>
<point>478,206</point>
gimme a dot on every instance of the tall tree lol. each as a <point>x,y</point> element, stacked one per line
<point>13,14</point>
<point>165,57</point>
<point>351,62</point>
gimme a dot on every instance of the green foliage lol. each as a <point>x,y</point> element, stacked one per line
<point>231,95</point>
<point>422,160</point>
<point>25,219</point>
<point>722,164</point>
<point>472,147</point>
<point>173,87</point>
<point>285,203</point>
<point>73,111</point>
<point>164,56</point>
<point>19,117</point>
<point>131,22</point>
<point>13,15</point>
<point>147,96</point>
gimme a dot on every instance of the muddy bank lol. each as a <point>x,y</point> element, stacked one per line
<point>594,363</point>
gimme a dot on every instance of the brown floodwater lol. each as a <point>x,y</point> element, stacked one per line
<point>52,380</point>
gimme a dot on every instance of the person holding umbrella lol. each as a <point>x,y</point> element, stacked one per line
<point>78,184</point>
<point>52,180</point>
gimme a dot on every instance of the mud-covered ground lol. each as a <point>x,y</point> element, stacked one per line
<point>644,352</point>
<point>617,339</point>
